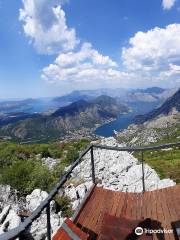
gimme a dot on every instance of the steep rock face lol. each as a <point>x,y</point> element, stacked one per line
<point>171,103</point>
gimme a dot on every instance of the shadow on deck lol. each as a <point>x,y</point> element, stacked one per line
<point>118,213</point>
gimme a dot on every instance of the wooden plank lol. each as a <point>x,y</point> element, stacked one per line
<point>121,204</point>
<point>144,206</point>
<point>171,202</point>
<point>100,207</point>
<point>164,213</point>
<point>109,200</point>
<point>135,205</point>
<point>171,196</point>
<point>71,229</point>
<point>83,203</point>
<point>167,214</point>
<point>113,207</point>
<point>162,206</point>
<point>116,203</point>
<point>129,205</point>
<point>154,213</point>
<point>148,204</point>
<point>119,228</point>
<point>87,208</point>
<point>122,210</point>
<point>139,206</point>
<point>160,214</point>
<point>176,199</point>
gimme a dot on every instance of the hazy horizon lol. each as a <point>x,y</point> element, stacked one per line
<point>78,90</point>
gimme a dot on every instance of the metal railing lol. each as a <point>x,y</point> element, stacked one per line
<point>18,231</point>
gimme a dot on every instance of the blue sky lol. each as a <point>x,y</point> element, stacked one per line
<point>49,48</point>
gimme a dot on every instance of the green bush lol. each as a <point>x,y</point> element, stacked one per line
<point>18,176</point>
<point>63,204</point>
<point>20,168</point>
<point>27,175</point>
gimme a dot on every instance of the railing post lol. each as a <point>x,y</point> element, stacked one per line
<point>92,166</point>
<point>48,213</point>
<point>142,161</point>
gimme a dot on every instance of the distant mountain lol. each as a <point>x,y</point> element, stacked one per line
<point>124,95</point>
<point>79,115</point>
<point>72,109</point>
<point>72,97</point>
<point>13,105</point>
<point>171,103</point>
<point>28,105</point>
<point>15,117</point>
<point>149,98</point>
<point>152,90</point>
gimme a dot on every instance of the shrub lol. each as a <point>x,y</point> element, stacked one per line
<point>63,204</point>
<point>27,175</point>
<point>18,176</point>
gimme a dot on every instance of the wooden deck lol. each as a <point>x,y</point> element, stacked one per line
<point>162,206</point>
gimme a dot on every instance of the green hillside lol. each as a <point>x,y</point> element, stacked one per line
<point>21,166</point>
<point>166,162</point>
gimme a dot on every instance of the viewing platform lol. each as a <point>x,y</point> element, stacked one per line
<point>107,215</point>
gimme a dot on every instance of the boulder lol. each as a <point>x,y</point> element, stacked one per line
<point>35,198</point>
<point>70,192</point>
<point>4,213</point>
<point>11,221</point>
<point>50,163</point>
<point>166,183</point>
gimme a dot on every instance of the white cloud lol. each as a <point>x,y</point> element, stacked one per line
<point>44,22</point>
<point>85,65</point>
<point>151,56</point>
<point>172,72</point>
<point>154,50</point>
<point>168,4</point>
<point>86,53</point>
<point>155,55</point>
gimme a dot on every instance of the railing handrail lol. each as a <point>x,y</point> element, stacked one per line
<point>28,221</point>
<point>138,149</point>
<point>12,234</point>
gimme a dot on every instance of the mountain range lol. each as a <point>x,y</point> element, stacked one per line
<point>147,99</point>
<point>78,115</point>
<point>172,103</point>
<point>161,125</point>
